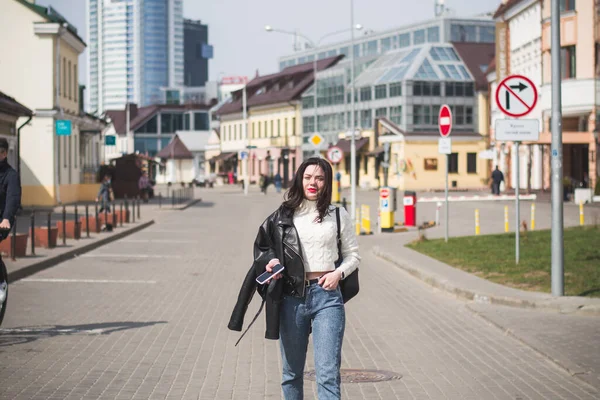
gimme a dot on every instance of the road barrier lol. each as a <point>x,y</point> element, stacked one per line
<point>506,219</point>
<point>581,216</point>
<point>357,222</point>
<point>477,228</point>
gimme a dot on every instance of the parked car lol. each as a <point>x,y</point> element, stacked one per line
<point>204,180</point>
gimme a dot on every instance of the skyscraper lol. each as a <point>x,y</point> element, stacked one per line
<point>197,52</point>
<point>135,50</point>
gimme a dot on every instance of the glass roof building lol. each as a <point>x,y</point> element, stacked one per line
<point>407,86</point>
<point>439,30</point>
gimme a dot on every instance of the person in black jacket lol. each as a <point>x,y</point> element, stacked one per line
<point>497,179</point>
<point>306,297</point>
<point>10,201</point>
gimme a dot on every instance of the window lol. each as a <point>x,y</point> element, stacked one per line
<point>381,112</point>
<point>468,115</point>
<point>567,62</point>
<point>567,5</point>
<point>380,91</point>
<point>471,163</point>
<point>404,40</point>
<point>396,89</point>
<point>487,34</point>
<point>149,127</point>
<point>272,133</point>
<point>421,115</point>
<point>433,34</point>
<point>70,85</point>
<point>430,164</point>
<point>421,88</point>
<point>419,36</point>
<point>365,94</point>
<point>253,130</point>
<point>308,124</point>
<point>459,115</point>
<point>308,102</point>
<point>396,115</point>
<point>64,77</point>
<point>453,163</point>
<point>293,125</point>
<point>75,81</point>
<point>201,122</point>
<point>285,124</point>
<point>386,44</point>
<point>278,127</point>
<point>366,119</point>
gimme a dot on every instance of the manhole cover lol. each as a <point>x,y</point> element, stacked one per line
<point>360,375</point>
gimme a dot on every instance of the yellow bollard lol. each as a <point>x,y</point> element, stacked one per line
<point>477,229</point>
<point>335,192</point>
<point>365,212</point>
<point>532,216</point>
<point>357,222</point>
<point>581,217</point>
<point>505,218</point>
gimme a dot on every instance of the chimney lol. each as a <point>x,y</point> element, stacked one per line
<point>133,110</point>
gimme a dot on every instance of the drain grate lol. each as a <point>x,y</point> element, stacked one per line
<point>360,375</point>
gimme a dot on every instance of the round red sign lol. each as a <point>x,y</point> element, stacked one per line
<point>384,193</point>
<point>445,121</point>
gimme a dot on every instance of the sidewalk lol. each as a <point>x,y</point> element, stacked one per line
<point>45,258</point>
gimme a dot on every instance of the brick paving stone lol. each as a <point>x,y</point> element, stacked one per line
<point>169,339</point>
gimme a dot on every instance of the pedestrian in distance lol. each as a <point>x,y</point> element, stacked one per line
<point>277,181</point>
<point>10,203</point>
<point>497,179</point>
<point>316,244</point>
<point>105,194</point>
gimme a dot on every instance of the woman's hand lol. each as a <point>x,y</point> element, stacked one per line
<point>270,266</point>
<point>330,281</point>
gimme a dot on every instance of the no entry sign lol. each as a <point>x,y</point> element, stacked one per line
<point>445,121</point>
<point>516,96</point>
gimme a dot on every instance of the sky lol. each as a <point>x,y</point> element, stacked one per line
<point>243,47</point>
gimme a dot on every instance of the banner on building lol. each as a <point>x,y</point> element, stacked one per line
<point>502,51</point>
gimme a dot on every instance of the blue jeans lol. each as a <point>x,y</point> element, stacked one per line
<point>325,309</point>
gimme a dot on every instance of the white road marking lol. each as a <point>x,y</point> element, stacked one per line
<point>81,280</point>
<point>157,241</point>
<point>106,255</point>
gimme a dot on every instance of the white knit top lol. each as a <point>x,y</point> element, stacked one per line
<point>319,240</point>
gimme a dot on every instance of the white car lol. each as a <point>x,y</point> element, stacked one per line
<point>204,180</point>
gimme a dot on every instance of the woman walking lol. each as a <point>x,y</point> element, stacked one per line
<point>302,235</point>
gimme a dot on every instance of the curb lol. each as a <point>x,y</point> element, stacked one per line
<point>565,305</point>
<point>181,208</point>
<point>52,261</point>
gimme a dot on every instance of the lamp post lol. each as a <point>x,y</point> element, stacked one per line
<point>315,46</point>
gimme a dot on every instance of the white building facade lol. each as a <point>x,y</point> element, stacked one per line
<point>136,50</point>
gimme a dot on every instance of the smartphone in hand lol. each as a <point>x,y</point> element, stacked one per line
<point>266,276</point>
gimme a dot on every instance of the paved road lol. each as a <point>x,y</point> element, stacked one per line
<point>145,318</point>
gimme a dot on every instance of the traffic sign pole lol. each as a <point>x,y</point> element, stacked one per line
<point>445,128</point>
<point>518,210</point>
<point>558,286</point>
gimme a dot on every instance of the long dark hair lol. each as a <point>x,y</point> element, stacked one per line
<point>295,195</point>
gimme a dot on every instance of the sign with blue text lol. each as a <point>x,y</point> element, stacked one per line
<point>63,127</point>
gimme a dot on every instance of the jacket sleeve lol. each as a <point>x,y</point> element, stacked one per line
<point>264,248</point>
<point>13,196</point>
<point>350,255</point>
<point>244,298</point>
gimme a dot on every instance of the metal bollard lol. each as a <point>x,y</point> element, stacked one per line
<point>532,216</point>
<point>344,203</point>
<point>33,232</point>
<point>506,219</point>
<point>477,229</point>
<point>139,206</point>
<point>123,216</point>
<point>64,221</point>
<point>105,216</point>
<point>87,220</point>
<point>14,242</point>
<point>114,216</point>
<point>173,198</point>
<point>581,216</point>
<point>49,226</point>
<point>159,200</point>
<point>76,223</point>
<point>133,211</point>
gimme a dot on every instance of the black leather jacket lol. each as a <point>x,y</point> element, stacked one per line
<point>277,238</point>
